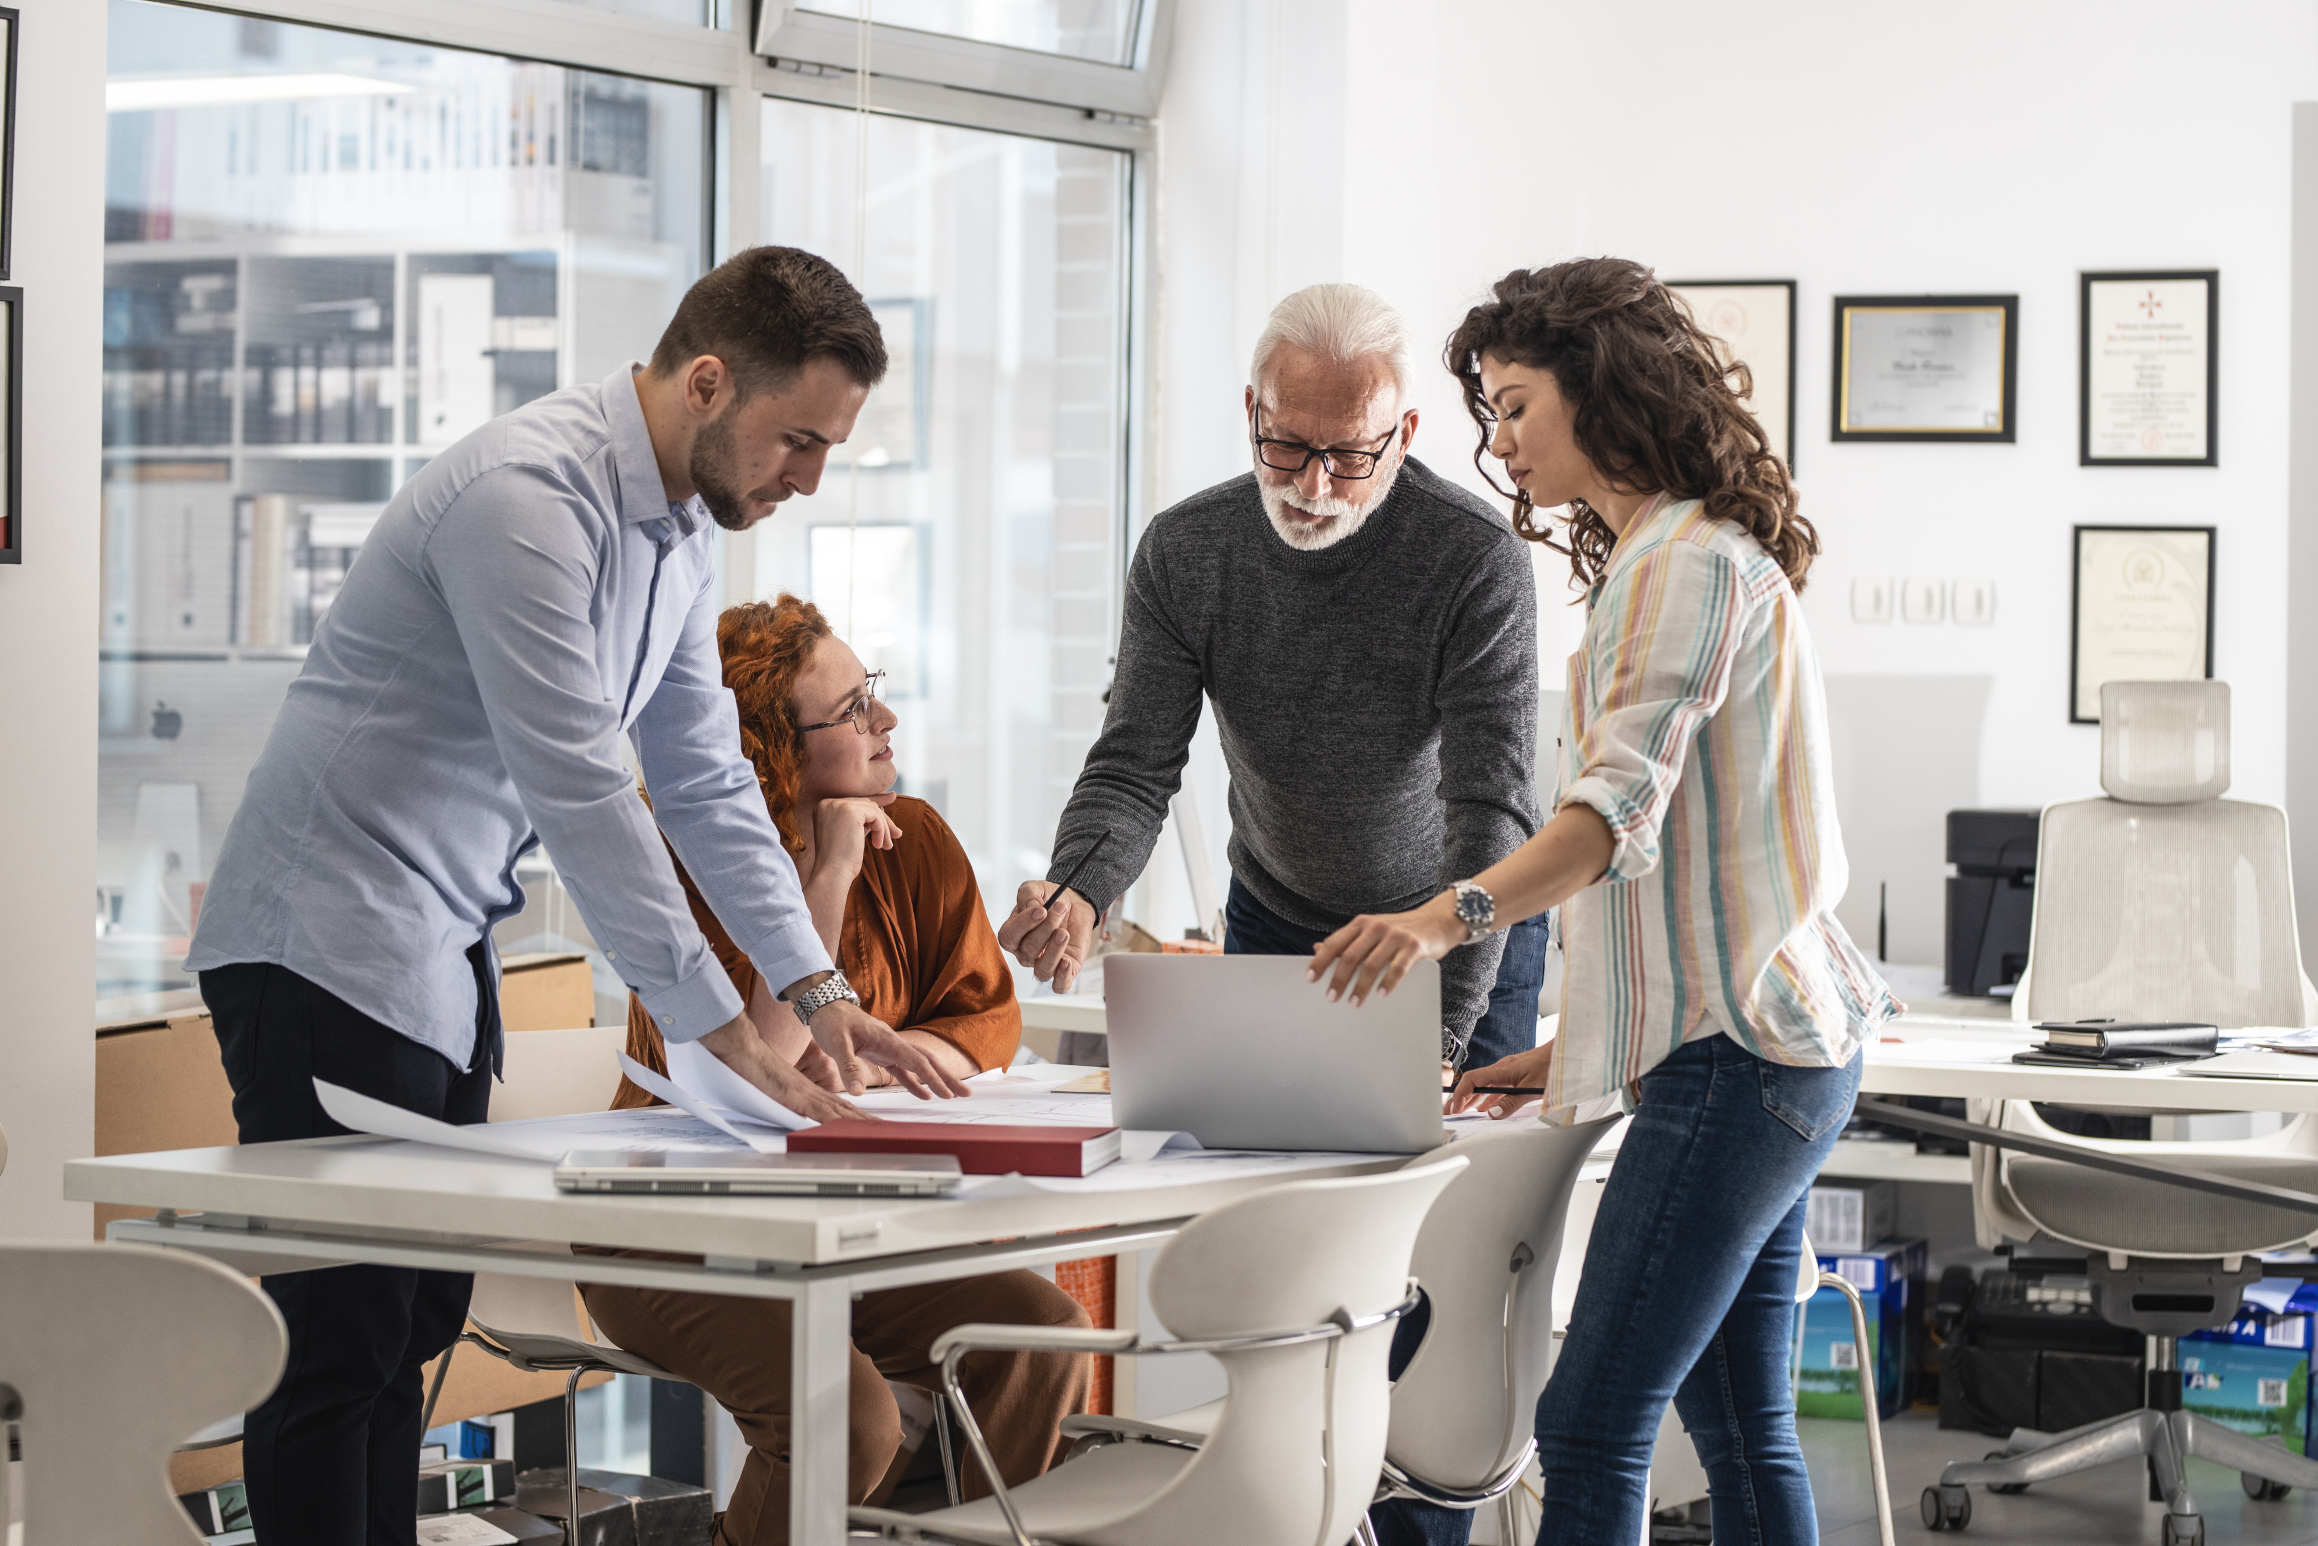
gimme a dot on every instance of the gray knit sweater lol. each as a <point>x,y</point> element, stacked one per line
<point>1376,700</point>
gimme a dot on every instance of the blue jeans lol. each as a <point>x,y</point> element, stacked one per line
<point>1509,1026</point>
<point>1688,1295</point>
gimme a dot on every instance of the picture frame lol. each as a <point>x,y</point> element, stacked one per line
<point>1754,321</point>
<point>1926,368</point>
<point>896,423</point>
<point>2140,609</point>
<point>9,27</point>
<point>2149,368</point>
<point>12,424</point>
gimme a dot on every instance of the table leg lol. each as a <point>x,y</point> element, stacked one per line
<point>820,1392</point>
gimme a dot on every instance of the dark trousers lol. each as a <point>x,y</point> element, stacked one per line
<point>331,1457</point>
<point>1510,1026</point>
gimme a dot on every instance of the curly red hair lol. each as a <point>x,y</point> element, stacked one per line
<point>766,646</point>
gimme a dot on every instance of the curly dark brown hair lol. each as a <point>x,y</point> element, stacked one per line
<point>766,646</point>
<point>1655,405</point>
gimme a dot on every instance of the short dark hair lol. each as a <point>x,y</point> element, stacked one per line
<point>767,312</point>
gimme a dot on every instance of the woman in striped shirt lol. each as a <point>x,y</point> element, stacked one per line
<point>1695,856</point>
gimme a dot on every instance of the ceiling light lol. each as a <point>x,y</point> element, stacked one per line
<point>144,95</point>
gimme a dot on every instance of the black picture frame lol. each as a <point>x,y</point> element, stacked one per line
<point>2004,432</point>
<point>1690,290</point>
<point>12,421</point>
<point>2077,535</point>
<point>11,20</point>
<point>2211,278</point>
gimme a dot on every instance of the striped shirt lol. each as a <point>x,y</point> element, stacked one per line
<point>1697,727</point>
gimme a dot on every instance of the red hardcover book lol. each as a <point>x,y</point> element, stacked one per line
<point>982,1148</point>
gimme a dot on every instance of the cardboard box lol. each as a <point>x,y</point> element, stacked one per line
<point>2252,1375</point>
<point>617,1509</point>
<point>1828,1360</point>
<point>546,991</point>
<point>1851,1215</point>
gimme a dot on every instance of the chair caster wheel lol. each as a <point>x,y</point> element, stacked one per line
<point>2006,1489</point>
<point>1950,1508</point>
<point>2182,1530</point>
<point>2261,1489</point>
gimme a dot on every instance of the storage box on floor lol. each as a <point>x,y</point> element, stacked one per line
<point>2253,1374</point>
<point>482,1503</point>
<point>2025,1348</point>
<point>1828,1358</point>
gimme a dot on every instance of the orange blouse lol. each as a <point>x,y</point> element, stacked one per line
<point>915,944</point>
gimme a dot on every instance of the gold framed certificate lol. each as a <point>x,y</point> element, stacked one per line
<point>1754,322</point>
<point>2141,610</point>
<point>2148,372</point>
<point>1926,367</point>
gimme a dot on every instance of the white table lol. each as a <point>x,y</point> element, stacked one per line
<point>319,1202</point>
<point>1930,1055</point>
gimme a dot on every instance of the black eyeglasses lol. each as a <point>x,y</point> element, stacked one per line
<point>1295,456</point>
<point>858,715</point>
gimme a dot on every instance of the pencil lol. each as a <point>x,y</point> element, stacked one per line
<point>1077,869</point>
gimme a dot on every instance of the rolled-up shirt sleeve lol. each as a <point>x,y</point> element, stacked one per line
<point>704,791</point>
<point>517,571</point>
<point>1677,615</point>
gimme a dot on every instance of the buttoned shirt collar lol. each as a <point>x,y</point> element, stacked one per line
<point>643,497</point>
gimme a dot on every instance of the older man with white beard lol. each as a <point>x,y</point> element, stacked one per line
<point>1367,633</point>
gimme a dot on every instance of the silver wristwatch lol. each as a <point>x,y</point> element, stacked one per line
<point>1476,909</point>
<point>820,996</point>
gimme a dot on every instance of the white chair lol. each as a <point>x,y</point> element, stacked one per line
<point>1464,1410</point>
<point>2165,901</point>
<point>1808,1282</point>
<point>110,1354</point>
<point>1295,1290</point>
<point>539,1325</point>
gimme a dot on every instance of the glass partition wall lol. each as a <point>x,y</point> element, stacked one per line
<point>327,257</point>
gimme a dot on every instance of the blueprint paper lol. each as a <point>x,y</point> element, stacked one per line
<point>676,1095</point>
<point>381,1120</point>
<point>703,1074</point>
<point>650,1129</point>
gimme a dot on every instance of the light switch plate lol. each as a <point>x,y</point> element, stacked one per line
<point>1973,602</point>
<point>1871,600</point>
<point>1923,601</point>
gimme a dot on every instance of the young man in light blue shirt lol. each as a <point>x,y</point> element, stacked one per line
<point>536,592</point>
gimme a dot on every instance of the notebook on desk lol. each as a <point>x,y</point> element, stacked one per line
<point>2255,1064</point>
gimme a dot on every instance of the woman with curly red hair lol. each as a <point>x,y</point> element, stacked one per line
<point>894,898</point>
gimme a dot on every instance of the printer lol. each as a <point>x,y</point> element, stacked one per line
<point>1991,900</point>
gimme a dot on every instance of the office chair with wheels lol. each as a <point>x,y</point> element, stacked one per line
<point>1295,1290</point>
<point>2162,902</point>
<point>102,1379</point>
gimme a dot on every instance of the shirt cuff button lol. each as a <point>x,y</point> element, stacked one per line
<point>668,1020</point>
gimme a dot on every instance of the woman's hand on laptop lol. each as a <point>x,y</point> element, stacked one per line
<point>1054,940</point>
<point>1375,950</point>
<point>1523,1071</point>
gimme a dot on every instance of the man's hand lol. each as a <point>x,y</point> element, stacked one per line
<point>1053,941</point>
<point>852,1037</point>
<point>1523,1070</point>
<point>738,1046</point>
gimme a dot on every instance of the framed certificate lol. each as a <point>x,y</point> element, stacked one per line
<point>2148,372</point>
<point>1754,321</point>
<point>2141,610</point>
<point>1925,367</point>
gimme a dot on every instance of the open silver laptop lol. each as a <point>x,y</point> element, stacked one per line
<point>1242,1053</point>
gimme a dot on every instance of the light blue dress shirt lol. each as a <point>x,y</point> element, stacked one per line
<point>528,597</point>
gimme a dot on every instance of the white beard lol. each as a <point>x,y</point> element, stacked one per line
<point>1337,518</point>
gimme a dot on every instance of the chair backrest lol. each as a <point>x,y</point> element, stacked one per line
<point>1295,1454</point>
<point>1463,1408</point>
<point>116,1354</point>
<point>559,1073</point>
<point>529,1314</point>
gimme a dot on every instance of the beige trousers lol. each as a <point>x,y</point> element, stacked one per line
<point>738,1351</point>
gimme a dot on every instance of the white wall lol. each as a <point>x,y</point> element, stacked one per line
<point>48,614</point>
<point>1856,150</point>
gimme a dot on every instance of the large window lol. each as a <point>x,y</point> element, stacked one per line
<point>968,540</point>
<point>327,257</point>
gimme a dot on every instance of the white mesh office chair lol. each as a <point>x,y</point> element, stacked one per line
<point>1464,1409</point>
<point>109,1354</point>
<point>2162,902</point>
<point>1295,1291</point>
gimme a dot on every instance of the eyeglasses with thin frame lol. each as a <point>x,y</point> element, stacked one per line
<point>858,716</point>
<point>1295,456</point>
